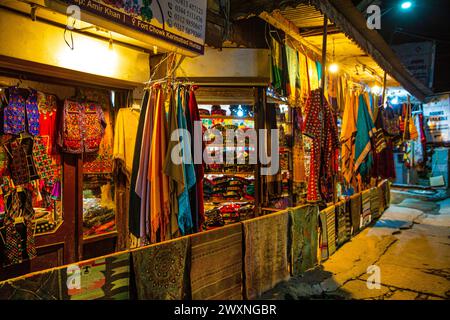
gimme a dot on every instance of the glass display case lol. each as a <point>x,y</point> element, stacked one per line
<point>99,208</point>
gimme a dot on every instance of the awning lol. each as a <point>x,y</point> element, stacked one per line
<point>363,53</point>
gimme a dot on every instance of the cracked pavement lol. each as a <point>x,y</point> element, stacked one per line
<point>410,244</point>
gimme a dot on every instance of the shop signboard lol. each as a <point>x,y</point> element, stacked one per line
<point>179,22</point>
<point>418,57</point>
<point>437,119</point>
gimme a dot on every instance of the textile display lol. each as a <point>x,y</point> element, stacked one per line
<point>265,260</point>
<point>160,270</point>
<point>344,223</point>
<point>83,125</point>
<point>355,210</point>
<point>134,214</point>
<point>320,126</point>
<point>106,278</point>
<point>375,202</point>
<point>45,285</point>
<point>347,138</point>
<point>328,235</point>
<point>216,264</point>
<point>48,115</point>
<point>365,130</point>
<point>366,216</point>
<point>21,114</point>
<point>21,163</point>
<point>304,240</point>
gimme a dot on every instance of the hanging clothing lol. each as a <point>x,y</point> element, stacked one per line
<point>383,160</point>
<point>279,75</point>
<point>312,127</point>
<point>134,215</point>
<point>142,183</point>
<point>365,130</point>
<point>21,114</point>
<point>298,153</point>
<point>197,196</point>
<point>83,126</point>
<point>304,79</point>
<point>313,75</point>
<point>329,152</point>
<point>125,130</point>
<point>21,163</point>
<point>159,182</point>
<point>48,108</point>
<point>19,245</point>
<point>294,76</point>
<point>347,138</point>
<point>185,222</point>
<point>173,170</point>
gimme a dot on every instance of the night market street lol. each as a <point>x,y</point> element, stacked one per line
<point>410,245</point>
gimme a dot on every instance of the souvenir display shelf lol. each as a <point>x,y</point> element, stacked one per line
<point>236,181</point>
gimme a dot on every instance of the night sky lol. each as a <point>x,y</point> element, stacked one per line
<point>426,20</point>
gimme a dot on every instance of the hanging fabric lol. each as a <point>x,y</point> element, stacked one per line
<point>134,215</point>
<point>347,138</point>
<point>21,114</point>
<point>365,130</point>
<point>159,182</point>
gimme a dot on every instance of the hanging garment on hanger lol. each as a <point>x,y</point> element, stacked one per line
<point>142,187</point>
<point>21,162</point>
<point>125,130</point>
<point>21,114</point>
<point>196,196</point>
<point>83,127</point>
<point>48,108</point>
<point>185,222</point>
<point>312,127</point>
<point>173,170</point>
<point>294,76</point>
<point>298,152</point>
<point>134,214</point>
<point>365,130</point>
<point>347,138</point>
<point>159,186</point>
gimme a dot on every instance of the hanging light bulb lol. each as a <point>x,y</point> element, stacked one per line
<point>376,90</point>
<point>334,67</point>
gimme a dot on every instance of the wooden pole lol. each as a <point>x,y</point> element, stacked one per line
<point>384,88</point>
<point>324,58</point>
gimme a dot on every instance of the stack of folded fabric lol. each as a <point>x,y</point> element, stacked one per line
<point>228,188</point>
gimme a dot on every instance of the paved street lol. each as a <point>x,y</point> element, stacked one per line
<point>411,246</point>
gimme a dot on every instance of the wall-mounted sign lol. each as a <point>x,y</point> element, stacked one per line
<point>180,22</point>
<point>437,119</point>
<point>418,58</point>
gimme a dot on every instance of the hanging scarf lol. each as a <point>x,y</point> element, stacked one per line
<point>159,182</point>
<point>365,131</point>
<point>294,76</point>
<point>347,138</point>
<point>185,214</point>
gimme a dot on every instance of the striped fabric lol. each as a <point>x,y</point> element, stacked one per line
<point>375,202</point>
<point>344,224</point>
<point>366,216</point>
<point>328,238</point>
<point>355,211</point>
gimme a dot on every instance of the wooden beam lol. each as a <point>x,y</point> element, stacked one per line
<point>277,20</point>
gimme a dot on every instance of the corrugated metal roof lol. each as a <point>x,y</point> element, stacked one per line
<point>304,16</point>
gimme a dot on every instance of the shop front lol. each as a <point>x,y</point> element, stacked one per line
<point>137,202</point>
<point>72,89</point>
